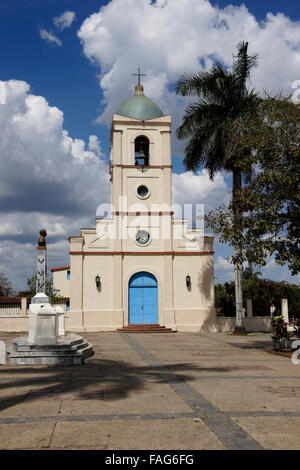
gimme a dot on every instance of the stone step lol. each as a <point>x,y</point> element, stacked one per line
<point>145,328</point>
<point>63,343</point>
<point>55,358</point>
<point>78,347</point>
<point>40,353</point>
<point>87,351</point>
<point>70,349</point>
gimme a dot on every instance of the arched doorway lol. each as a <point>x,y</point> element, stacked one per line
<point>142,299</point>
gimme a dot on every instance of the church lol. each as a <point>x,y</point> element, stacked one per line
<point>140,265</point>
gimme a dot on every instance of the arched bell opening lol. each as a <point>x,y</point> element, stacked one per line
<point>141,151</point>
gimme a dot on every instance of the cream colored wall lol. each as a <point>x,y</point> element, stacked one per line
<point>62,283</point>
<point>153,179</point>
<point>200,269</point>
<point>76,265</point>
<point>178,307</point>
<point>18,323</point>
<point>125,180</point>
<point>102,298</point>
<point>107,308</point>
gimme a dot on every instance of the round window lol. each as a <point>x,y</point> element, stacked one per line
<point>142,237</point>
<point>142,191</point>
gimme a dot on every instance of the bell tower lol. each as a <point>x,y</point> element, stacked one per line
<point>141,193</point>
<point>140,265</point>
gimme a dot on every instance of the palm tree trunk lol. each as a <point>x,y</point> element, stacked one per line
<point>238,267</point>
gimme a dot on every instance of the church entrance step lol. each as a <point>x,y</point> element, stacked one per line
<point>145,328</point>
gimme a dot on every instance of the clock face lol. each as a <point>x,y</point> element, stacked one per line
<point>142,191</point>
<point>142,237</point>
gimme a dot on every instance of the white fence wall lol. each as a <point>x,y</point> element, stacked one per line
<point>251,324</point>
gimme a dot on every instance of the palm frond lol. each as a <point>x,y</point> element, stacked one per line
<point>243,65</point>
<point>206,84</point>
<point>198,115</point>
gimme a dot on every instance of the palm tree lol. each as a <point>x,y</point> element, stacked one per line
<point>213,125</point>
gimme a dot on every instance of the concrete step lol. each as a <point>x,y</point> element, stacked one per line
<point>145,328</point>
<point>69,349</point>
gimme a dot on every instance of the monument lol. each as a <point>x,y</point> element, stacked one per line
<point>46,342</point>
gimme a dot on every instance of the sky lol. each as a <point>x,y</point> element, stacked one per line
<point>66,67</point>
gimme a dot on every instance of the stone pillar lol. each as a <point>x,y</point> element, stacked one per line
<point>285,310</point>
<point>249,308</point>
<point>41,271</point>
<point>2,353</point>
<point>24,306</point>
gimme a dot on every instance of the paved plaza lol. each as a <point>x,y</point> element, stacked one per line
<point>155,391</point>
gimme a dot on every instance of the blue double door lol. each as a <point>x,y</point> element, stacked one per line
<point>143,299</point>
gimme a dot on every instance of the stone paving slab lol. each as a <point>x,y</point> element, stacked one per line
<point>31,408</point>
<point>25,436</point>
<point>142,402</point>
<point>118,435</point>
<point>247,394</point>
<point>274,433</point>
<point>159,391</point>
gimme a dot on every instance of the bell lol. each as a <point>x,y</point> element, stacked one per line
<point>142,153</point>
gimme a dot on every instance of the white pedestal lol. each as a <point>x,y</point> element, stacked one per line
<point>42,321</point>
<point>60,321</point>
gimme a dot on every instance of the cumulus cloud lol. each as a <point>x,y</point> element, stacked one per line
<point>273,271</point>
<point>49,37</point>
<point>42,168</point>
<point>47,178</point>
<point>189,187</point>
<point>224,270</point>
<point>177,36</point>
<point>65,20</point>
<point>195,194</point>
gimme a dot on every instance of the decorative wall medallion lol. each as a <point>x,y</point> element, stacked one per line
<point>142,191</point>
<point>142,237</point>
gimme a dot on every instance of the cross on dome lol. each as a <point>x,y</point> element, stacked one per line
<point>139,75</point>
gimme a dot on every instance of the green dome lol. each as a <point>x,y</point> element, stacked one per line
<point>140,107</point>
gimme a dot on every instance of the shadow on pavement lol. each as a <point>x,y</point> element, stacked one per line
<point>110,380</point>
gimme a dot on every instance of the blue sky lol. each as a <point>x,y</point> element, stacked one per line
<point>85,75</point>
<point>64,76</point>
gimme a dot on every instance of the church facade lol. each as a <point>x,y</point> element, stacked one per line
<point>140,265</point>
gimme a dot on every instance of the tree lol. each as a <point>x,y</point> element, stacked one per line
<point>270,198</point>
<point>263,292</point>
<point>5,286</point>
<point>31,283</point>
<point>214,126</point>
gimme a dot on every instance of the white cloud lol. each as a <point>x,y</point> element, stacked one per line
<point>272,270</point>
<point>168,38</point>
<point>198,188</point>
<point>65,20</point>
<point>49,37</point>
<point>47,179</point>
<point>224,270</point>
<point>39,158</point>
